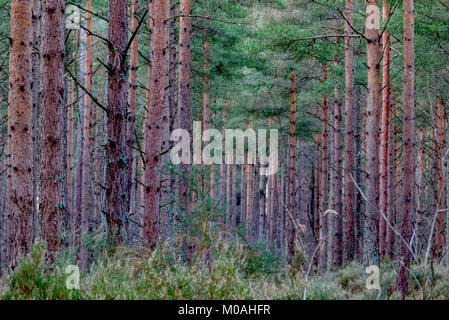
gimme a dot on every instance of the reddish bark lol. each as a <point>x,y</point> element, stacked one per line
<point>384,135</point>
<point>440,146</point>
<point>19,198</point>
<point>131,119</point>
<point>116,150</point>
<point>337,181</point>
<point>408,139</point>
<point>371,223</point>
<point>156,121</point>
<point>249,198</point>
<point>70,108</point>
<point>53,171</point>
<point>86,203</point>
<point>206,95</point>
<point>391,197</point>
<point>324,180</point>
<point>291,229</point>
<point>184,91</point>
<point>349,161</point>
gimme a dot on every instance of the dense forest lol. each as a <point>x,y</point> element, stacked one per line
<point>119,121</point>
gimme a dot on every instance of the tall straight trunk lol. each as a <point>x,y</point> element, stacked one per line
<point>316,197</point>
<point>228,196</point>
<point>398,189</point>
<point>53,174</point>
<point>440,149</point>
<point>20,140</point>
<point>408,153</point>
<point>349,161</point>
<point>173,60</point>
<point>206,95</point>
<point>255,203</point>
<point>78,186</point>
<point>212,182</point>
<point>261,231</point>
<point>226,188</point>
<point>86,205</point>
<point>280,222</point>
<point>36,21</point>
<point>249,197</point>
<point>371,245</point>
<point>421,185</point>
<point>337,204</point>
<point>233,204</point>
<point>384,135</point>
<point>391,194</point>
<point>269,204</point>
<point>116,149</point>
<point>275,218</point>
<point>291,230</point>
<point>337,201</point>
<point>185,98</point>
<point>243,183</point>
<point>3,215</point>
<point>324,179</point>
<point>141,156</point>
<point>166,126</point>
<point>130,139</point>
<point>156,121</point>
<point>305,161</point>
<point>212,172</point>
<point>70,116</point>
<point>172,103</point>
<point>317,192</point>
<point>98,156</point>
<point>358,205</point>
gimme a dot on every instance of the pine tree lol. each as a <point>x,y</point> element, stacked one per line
<point>20,140</point>
<point>53,166</point>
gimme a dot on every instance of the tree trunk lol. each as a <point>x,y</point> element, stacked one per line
<point>324,181</point>
<point>156,119</point>
<point>391,196</point>
<point>133,67</point>
<point>440,146</point>
<point>206,96</point>
<point>36,21</point>
<point>358,205</point>
<point>269,204</point>
<point>408,154</point>
<point>349,195</point>
<point>371,246</point>
<point>317,194</point>
<point>53,175</point>
<point>260,230</point>
<point>20,139</point>
<point>117,150</point>
<point>70,116</point>
<point>166,123</point>
<point>86,205</point>
<point>233,204</point>
<point>249,184</point>
<point>184,100</point>
<point>384,135</point>
<point>78,186</point>
<point>291,230</point>
<point>337,203</point>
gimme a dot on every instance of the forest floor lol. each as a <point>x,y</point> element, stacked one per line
<point>231,272</point>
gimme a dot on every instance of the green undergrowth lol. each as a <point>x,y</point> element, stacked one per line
<point>231,270</point>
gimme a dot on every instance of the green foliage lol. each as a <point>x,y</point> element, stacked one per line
<point>233,271</point>
<point>33,278</point>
